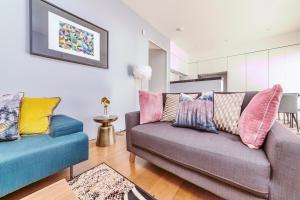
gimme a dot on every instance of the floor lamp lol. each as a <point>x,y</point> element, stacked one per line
<point>142,73</point>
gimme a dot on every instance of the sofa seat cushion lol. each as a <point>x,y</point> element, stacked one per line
<point>34,157</point>
<point>222,156</point>
<point>64,125</point>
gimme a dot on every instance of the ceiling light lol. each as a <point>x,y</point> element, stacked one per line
<point>179,29</point>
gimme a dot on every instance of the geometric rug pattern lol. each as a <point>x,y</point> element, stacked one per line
<point>104,183</point>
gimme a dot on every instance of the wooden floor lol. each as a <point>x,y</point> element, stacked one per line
<point>162,184</point>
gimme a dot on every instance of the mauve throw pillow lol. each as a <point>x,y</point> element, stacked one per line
<point>196,114</point>
<point>259,116</point>
<point>151,106</point>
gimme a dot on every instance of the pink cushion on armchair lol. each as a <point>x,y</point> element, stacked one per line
<point>259,116</point>
<point>151,106</point>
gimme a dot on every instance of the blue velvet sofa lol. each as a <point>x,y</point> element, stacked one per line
<point>35,157</point>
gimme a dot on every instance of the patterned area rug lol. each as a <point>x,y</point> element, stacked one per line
<point>104,183</point>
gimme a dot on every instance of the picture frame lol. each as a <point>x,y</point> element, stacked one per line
<point>58,34</point>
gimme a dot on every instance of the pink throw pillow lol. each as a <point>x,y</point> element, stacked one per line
<point>151,106</point>
<point>259,116</point>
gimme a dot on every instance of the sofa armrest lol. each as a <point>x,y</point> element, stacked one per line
<point>282,148</point>
<point>132,119</point>
<point>64,125</point>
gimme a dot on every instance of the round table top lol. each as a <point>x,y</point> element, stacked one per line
<point>105,119</point>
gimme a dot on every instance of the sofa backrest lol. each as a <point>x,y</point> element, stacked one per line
<point>165,94</point>
<point>247,99</point>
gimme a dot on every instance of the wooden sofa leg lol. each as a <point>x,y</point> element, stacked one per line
<point>71,172</point>
<point>132,157</point>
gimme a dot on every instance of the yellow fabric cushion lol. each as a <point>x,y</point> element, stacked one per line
<point>35,115</point>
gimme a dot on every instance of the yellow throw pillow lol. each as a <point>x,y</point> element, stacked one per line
<point>35,115</point>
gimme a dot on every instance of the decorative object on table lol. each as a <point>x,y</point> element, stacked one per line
<point>151,106</point>
<point>105,102</point>
<point>35,114</point>
<point>259,116</point>
<point>227,111</point>
<point>9,116</point>
<point>142,73</point>
<point>56,33</point>
<point>106,133</point>
<point>103,182</point>
<point>196,114</point>
<point>171,106</point>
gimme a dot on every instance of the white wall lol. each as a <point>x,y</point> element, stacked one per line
<point>260,69</point>
<point>79,86</point>
<point>174,77</point>
<point>232,48</point>
<point>236,73</point>
<point>212,66</point>
<point>193,70</point>
<point>284,68</point>
<point>257,71</point>
<point>196,86</point>
<point>157,61</point>
<point>178,59</point>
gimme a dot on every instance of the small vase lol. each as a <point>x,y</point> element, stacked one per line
<point>106,115</point>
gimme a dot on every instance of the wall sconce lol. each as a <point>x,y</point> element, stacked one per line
<point>142,73</point>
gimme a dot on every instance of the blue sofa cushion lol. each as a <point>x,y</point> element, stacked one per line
<point>64,125</point>
<point>35,157</point>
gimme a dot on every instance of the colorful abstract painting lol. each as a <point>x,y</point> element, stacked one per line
<point>69,37</point>
<point>58,34</point>
<point>75,39</point>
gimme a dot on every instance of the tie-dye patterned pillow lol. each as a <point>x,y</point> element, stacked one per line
<point>9,116</point>
<point>196,114</point>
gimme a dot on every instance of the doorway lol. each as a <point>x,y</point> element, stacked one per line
<point>158,63</point>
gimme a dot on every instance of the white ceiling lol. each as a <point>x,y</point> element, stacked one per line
<point>211,24</point>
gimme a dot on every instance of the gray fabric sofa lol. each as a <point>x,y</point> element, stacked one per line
<point>221,163</point>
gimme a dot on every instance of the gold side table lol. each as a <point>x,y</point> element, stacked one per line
<point>106,133</point>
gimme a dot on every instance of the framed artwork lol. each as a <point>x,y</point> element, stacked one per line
<point>56,33</point>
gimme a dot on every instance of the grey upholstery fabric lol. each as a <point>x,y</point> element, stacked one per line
<point>132,119</point>
<point>283,151</point>
<point>281,147</point>
<point>222,156</point>
<point>213,185</point>
<point>165,96</point>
